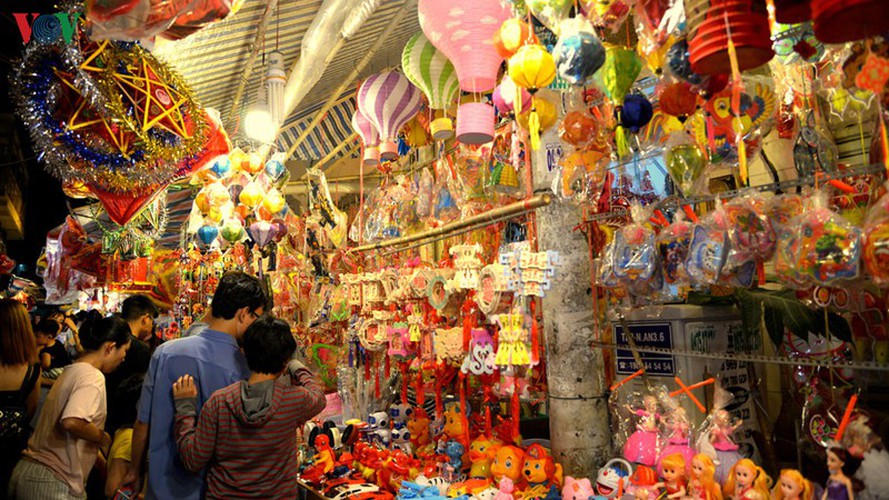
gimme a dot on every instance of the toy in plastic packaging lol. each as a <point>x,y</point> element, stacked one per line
<point>715,439</point>
<point>813,151</point>
<point>782,209</point>
<point>829,246</point>
<point>639,418</point>
<point>673,244</point>
<point>708,249</point>
<point>676,435</point>
<point>750,231</point>
<point>634,249</point>
<point>875,251</point>
<point>142,19</point>
<point>685,161</point>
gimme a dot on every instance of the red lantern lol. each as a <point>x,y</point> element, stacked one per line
<point>679,100</point>
<point>840,21</point>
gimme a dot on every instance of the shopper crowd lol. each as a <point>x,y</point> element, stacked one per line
<point>92,407</point>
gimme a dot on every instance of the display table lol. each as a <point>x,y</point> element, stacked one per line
<point>307,492</point>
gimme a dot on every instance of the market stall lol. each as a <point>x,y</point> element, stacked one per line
<point>535,249</point>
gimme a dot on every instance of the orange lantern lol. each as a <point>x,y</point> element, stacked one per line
<point>513,33</point>
<point>679,100</point>
<point>578,128</point>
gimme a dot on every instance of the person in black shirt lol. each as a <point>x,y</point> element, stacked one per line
<point>124,386</point>
<point>53,356</point>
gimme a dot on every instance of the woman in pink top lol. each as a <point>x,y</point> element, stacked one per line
<point>63,448</point>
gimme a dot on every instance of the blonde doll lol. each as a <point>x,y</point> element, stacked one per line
<point>747,481</point>
<point>702,485</point>
<point>673,472</point>
<point>792,486</point>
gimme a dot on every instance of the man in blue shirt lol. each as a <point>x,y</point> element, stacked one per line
<point>214,359</point>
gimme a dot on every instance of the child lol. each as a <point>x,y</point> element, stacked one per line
<point>53,356</point>
<point>245,434</point>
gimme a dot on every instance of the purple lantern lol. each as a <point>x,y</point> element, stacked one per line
<point>261,232</point>
<point>389,100</point>
<point>369,137</point>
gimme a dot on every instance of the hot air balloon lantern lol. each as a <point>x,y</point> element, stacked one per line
<point>389,100</point>
<point>464,32</point>
<point>370,138</point>
<point>262,233</point>
<point>431,71</point>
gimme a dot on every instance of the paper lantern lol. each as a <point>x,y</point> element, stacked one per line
<point>578,128</point>
<point>367,131</point>
<point>513,33</point>
<point>274,168</point>
<point>389,100</point>
<point>678,99</point>
<point>578,53</point>
<point>232,230</point>
<point>202,201</point>
<point>532,67</point>
<point>431,71</point>
<point>222,166</point>
<point>550,12</point>
<point>253,164</point>
<point>251,195</point>
<point>622,67</point>
<point>505,94</point>
<point>217,194</point>
<point>464,32</point>
<point>273,201</point>
<point>261,232</point>
<point>207,234</point>
<point>541,116</point>
<point>635,112</point>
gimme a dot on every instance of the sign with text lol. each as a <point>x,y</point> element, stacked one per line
<point>659,335</point>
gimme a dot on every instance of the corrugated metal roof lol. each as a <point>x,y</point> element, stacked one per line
<point>213,60</point>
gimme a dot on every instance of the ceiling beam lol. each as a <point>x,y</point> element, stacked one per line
<point>349,80</point>
<point>258,41</point>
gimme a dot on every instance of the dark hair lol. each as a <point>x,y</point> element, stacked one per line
<point>850,466</point>
<point>136,306</point>
<point>47,327</point>
<point>97,330</point>
<point>237,290</point>
<point>268,345</point>
<point>17,343</point>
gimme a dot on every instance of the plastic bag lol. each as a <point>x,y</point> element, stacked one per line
<point>829,246</point>
<point>876,242</point>
<point>634,249</point>
<point>673,245</point>
<point>750,230</point>
<point>686,162</point>
<point>708,249</point>
<point>142,19</point>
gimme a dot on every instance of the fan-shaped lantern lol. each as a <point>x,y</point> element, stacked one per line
<point>464,32</point>
<point>389,100</point>
<point>431,71</point>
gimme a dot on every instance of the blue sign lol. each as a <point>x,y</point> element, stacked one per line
<point>658,335</point>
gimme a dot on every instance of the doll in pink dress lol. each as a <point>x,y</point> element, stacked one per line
<point>721,438</point>
<point>677,438</point>
<point>642,446</point>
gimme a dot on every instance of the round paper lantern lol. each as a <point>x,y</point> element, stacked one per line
<point>578,128</point>
<point>505,94</point>
<point>253,164</point>
<point>251,195</point>
<point>367,131</point>
<point>513,33</point>
<point>578,53</point>
<point>431,71</point>
<point>202,201</point>
<point>635,112</point>
<point>541,116</point>
<point>678,61</point>
<point>678,99</point>
<point>222,166</point>
<point>622,67</point>
<point>840,21</point>
<point>238,158</point>
<point>550,13</point>
<point>389,100</point>
<point>232,230</point>
<point>207,234</point>
<point>261,232</point>
<point>217,194</point>
<point>532,67</point>
<point>275,169</point>
<point>273,201</point>
<point>464,32</point>
<point>242,211</point>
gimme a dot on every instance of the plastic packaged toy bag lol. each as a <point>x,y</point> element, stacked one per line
<point>708,249</point>
<point>673,244</point>
<point>876,242</point>
<point>829,246</point>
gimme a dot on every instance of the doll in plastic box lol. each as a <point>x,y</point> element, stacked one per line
<point>702,485</point>
<point>792,485</point>
<point>643,444</point>
<point>747,481</point>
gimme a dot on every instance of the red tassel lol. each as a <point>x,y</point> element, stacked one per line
<point>488,428</point>
<point>535,335</point>
<point>421,393</point>
<point>516,412</point>
<point>377,384</point>
<point>439,404</point>
<point>761,273</point>
<point>404,383</point>
<point>386,367</point>
<point>467,323</point>
<point>464,411</point>
<point>367,368</point>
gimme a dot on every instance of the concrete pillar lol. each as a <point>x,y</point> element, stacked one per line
<point>578,405</point>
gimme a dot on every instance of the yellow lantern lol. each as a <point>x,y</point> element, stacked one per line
<point>532,67</point>
<point>237,159</point>
<point>273,201</point>
<point>541,116</point>
<point>214,215</point>
<point>251,195</point>
<point>253,164</point>
<point>217,194</point>
<point>202,201</point>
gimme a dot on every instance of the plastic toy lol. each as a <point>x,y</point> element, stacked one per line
<point>677,437</point>
<point>829,246</point>
<point>541,472</point>
<point>673,472</point>
<point>506,489</point>
<point>324,455</point>
<point>577,489</point>
<point>643,445</point>
<point>842,468</point>
<point>642,484</point>
<point>508,462</point>
<point>747,481</point>
<point>707,251</point>
<point>725,448</point>
<point>750,231</point>
<point>418,427</point>
<point>612,479</point>
<point>672,245</point>
<point>702,486</point>
<point>480,458</point>
<point>792,485</point>
<point>454,451</point>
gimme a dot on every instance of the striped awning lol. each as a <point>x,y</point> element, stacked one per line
<point>213,61</point>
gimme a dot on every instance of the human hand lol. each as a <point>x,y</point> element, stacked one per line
<point>132,479</point>
<point>105,444</point>
<point>184,388</point>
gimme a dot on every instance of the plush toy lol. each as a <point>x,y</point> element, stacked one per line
<point>418,428</point>
<point>577,489</point>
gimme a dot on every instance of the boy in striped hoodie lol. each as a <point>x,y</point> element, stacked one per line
<point>246,433</point>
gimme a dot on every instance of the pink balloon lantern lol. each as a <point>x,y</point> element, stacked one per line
<point>369,137</point>
<point>464,32</point>
<point>389,100</point>
<point>261,232</point>
<point>504,97</point>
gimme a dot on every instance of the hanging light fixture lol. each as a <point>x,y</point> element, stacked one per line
<point>275,79</point>
<point>258,122</point>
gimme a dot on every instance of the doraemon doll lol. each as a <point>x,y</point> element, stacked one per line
<point>613,478</point>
